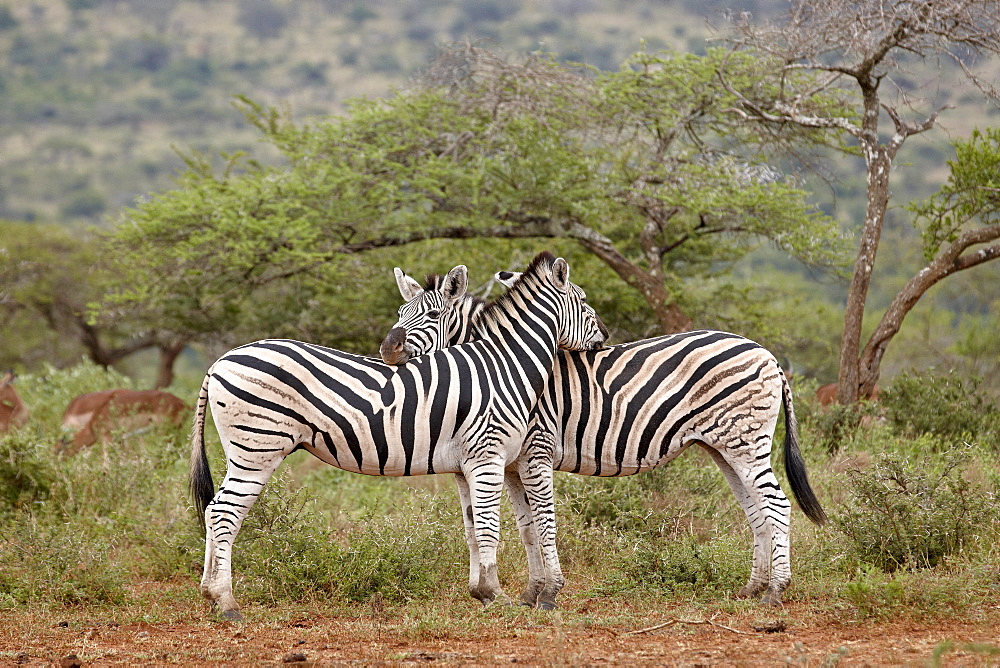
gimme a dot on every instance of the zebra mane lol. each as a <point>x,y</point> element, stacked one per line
<point>433,282</point>
<point>542,263</point>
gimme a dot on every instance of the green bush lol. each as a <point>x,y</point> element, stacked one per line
<point>680,564</point>
<point>26,475</point>
<point>945,405</point>
<point>51,563</point>
<point>902,514</point>
<point>287,551</point>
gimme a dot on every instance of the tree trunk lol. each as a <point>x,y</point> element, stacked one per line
<point>668,314</point>
<point>165,369</point>
<point>878,161</point>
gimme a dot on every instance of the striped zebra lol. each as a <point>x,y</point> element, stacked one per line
<point>462,410</point>
<point>633,407</point>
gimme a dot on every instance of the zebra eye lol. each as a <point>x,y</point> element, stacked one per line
<point>433,315</point>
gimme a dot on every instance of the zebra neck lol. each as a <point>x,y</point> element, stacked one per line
<point>527,318</point>
<point>461,328</point>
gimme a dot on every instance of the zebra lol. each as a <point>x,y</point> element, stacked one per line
<point>462,410</point>
<point>633,407</point>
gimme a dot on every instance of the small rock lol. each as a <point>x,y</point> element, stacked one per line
<point>63,625</point>
<point>773,627</point>
<point>294,657</point>
<point>22,657</point>
<point>70,661</point>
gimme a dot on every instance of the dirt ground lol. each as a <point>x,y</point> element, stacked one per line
<point>318,639</point>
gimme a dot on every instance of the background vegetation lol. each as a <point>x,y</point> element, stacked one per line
<point>105,106</point>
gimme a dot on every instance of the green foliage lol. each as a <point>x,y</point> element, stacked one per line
<point>569,152</point>
<point>287,551</point>
<point>905,515</point>
<point>947,406</point>
<point>263,19</point>
<point>47,563</point>
<point>971,195</point>
<point>84,203</point>
<point>48,276</point>
<point>834,426</point>
<point>7,19</point>
<point>25,475</point>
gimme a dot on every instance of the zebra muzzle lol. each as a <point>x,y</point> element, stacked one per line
<point>393,349</point>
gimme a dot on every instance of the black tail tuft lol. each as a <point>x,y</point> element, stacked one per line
<point>795,467</point>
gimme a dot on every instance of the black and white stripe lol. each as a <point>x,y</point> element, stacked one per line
<point>463,410</point>
<point>632,407</point>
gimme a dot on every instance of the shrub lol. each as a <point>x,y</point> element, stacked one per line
<point>904,515</point>
<point>263,19</point>
<point>25,473</point>
<point>288,551</point>
<point>945,405</point>
<point>84,203</point>
<point>680,564</point>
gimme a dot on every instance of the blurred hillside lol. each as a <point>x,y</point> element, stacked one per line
<point>96,94</point>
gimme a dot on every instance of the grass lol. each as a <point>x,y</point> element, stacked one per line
<point>111,533</point>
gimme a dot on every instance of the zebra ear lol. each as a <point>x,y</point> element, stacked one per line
<point>408,287</point>
<point>456,283</point>
<point>560,273</point>
<point>507,277</point>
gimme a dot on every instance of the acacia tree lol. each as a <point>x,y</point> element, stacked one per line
<point>48,278</point>
<point>857,49</point>
<point>642,167</point>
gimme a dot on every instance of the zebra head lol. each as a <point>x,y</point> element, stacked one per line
<point>585,331</point>
<point>434,316</point>
<point>544,292</point>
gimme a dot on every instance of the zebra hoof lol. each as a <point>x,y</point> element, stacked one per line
<point>546,605</point>
<point>751,591</point>
<point>772,599</point>
<point>232,616</point>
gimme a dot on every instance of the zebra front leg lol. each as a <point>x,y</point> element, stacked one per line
<point>465,498</point>
<point>223,519</point>
<point>485,478</point>
<point>529,537</point>
<point>535,467</point>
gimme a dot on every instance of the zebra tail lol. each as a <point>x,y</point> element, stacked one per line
<point>795,467</point>
<point>200,478</point>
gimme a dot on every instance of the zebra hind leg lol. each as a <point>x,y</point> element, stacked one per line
<point>465,498</point>
<point>770,571</point>
<point>529,537</point>
<point>535,467</point>
<point>223,519</point>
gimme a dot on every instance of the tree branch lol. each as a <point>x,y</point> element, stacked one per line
<point>947,262</point>
<point>785,113</point>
